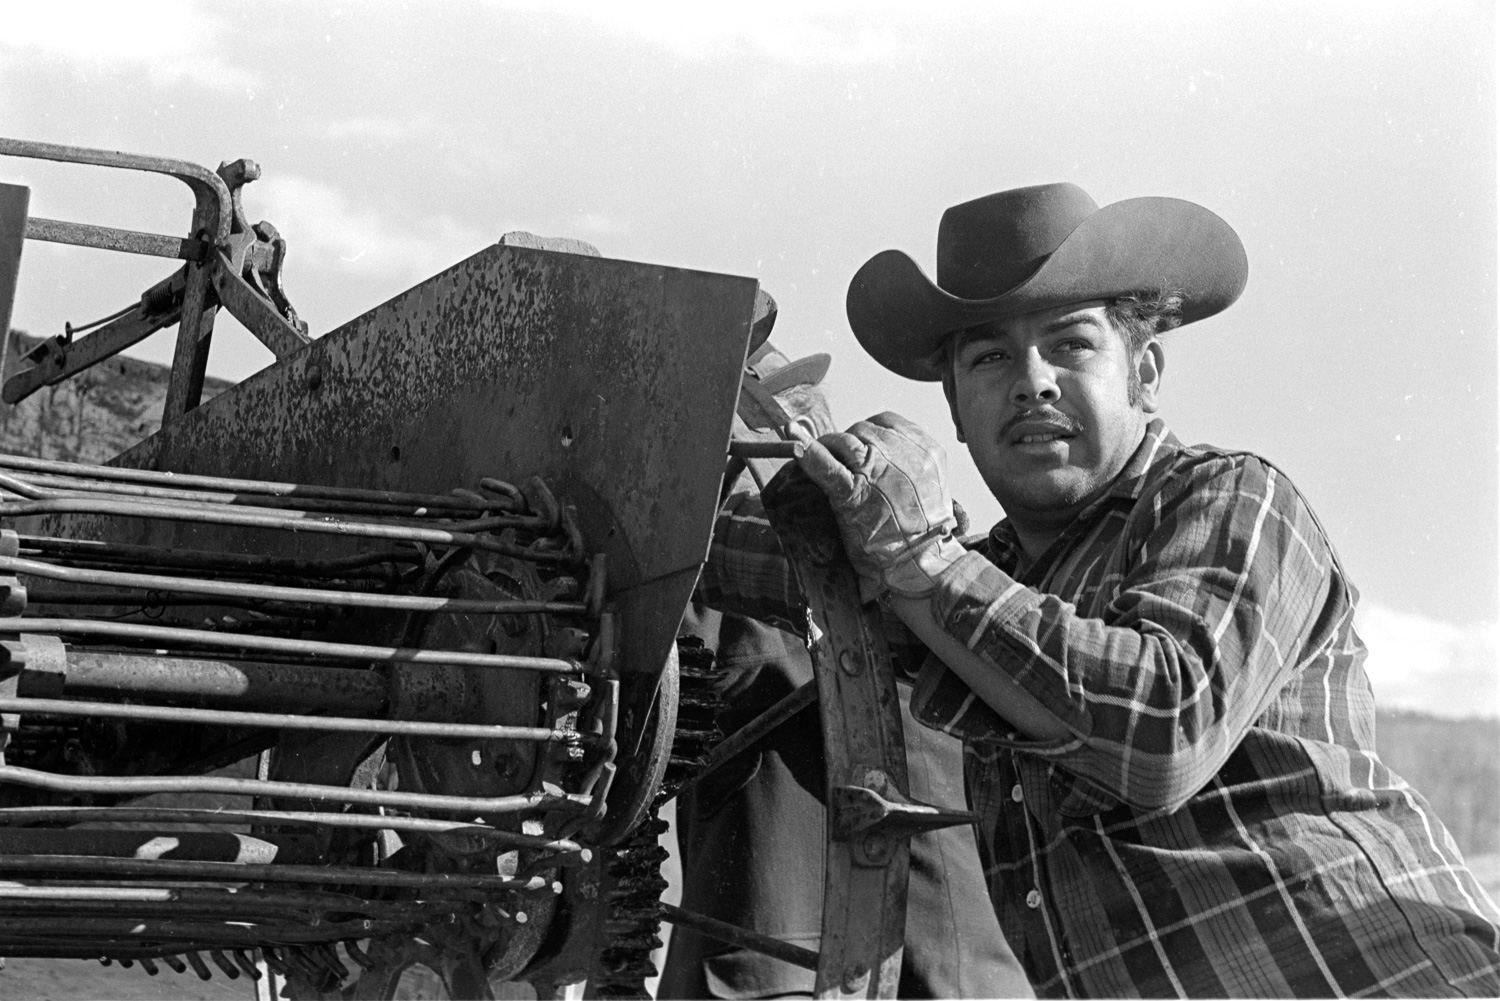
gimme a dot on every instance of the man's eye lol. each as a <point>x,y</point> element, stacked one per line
<point>988,358</point>
<point>1073,346</point>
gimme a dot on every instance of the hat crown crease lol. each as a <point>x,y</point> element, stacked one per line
<point>989,245</point>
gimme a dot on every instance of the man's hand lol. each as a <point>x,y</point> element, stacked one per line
<point>887,482</point>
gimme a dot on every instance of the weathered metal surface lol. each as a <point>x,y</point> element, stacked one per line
<point>128,241</point>
<point>14,199</point>
<point>613,381</point>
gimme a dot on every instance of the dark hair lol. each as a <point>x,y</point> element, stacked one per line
<point>1144,315</point>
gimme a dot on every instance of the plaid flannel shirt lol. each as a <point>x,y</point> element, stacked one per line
<point>1219,824</point>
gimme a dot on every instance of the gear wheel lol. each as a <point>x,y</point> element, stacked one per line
<point>632,869</point>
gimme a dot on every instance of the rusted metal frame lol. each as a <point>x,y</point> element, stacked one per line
<point>210,224</point>
<point>723,931</point>
<point>125,631</point>
<point>285,721</point>
<point>56,358</point>
<point>348,691</point>
<point>136,785</point>
<point>229,515</point>
<point>253,310</point>
<point>20,815</point>
<point>754,731</point>
<point>72,552</point>
<point>234,872</point>
<point>243,486</point>
<point>294,595</point>
<point>127,241</point>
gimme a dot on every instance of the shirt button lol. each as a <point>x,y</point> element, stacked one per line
<point>1034,899</point>
<point>1016,794</point>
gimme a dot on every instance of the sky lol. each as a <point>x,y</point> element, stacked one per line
<point>1351,145</point>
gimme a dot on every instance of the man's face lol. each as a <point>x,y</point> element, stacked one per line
<point>1050,407</point>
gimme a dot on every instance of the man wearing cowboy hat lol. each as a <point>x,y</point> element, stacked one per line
<point>1169,733</point>
<point>752,834</point>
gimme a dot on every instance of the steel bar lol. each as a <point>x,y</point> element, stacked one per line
<point>55,360</point>
<point>209,189</point>
<point>18,815</point>
<point>136,785</point>
<point>218,933</point>
<point>234,872</point>
<point>288,721</point>
<point>196,559</point>
<point>217,897</point>
<point>766,449</point>
<point>246,685</point>
<point>274,592</point>
<point>723,931</point>
<point>228,907</point>
<point>229,515</point>
<point>269,487</point>
<point>201,846</point>
<point>52,485</point>
<point>280,644</point>
<point>108,238</point>
<point>747,735</point>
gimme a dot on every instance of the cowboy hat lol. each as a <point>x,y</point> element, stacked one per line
<point>1034,248</point>
<point>778,373</point>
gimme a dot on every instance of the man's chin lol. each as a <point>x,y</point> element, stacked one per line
<point>1040,493</point>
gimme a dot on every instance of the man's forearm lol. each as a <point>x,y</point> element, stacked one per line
<point>991,685</point>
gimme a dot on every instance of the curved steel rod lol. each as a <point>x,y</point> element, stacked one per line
<point>21,815</point>
<point>136,785</point>
<point>281,644</point>
<point>286,721</point>
<point>275,592</point>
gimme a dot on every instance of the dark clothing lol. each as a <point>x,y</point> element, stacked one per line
<point>1219,824</point>
<point>753,837</point>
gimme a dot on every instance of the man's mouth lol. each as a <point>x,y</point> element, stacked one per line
<point>1040,428</point>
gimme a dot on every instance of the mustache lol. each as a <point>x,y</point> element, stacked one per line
<point>1054,420</point>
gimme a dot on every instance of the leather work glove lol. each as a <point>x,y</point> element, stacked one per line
<point>887,482</point>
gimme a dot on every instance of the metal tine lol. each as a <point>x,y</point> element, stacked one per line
<point>244,962</point>
<point>460,506</point>
<point>104,504</point>
<point>224,483</point>
<point>222,962</point>
<point>175,963</point>
<point>199,967</point>
<point>125,814</point>
<point>275,592</point>
<point>141,785</point>
<point>285,721</point>
<point>149,965</point>
<point>116,631</point>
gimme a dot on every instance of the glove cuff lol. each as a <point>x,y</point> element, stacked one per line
<point>916,575</point>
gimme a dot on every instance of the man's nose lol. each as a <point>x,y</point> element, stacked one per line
<point>1036,382</point>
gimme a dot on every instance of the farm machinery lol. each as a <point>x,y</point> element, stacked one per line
<point>372,660</point>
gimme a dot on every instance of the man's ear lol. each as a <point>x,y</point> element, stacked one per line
<point>1148,370</point>
<point>952,394</point>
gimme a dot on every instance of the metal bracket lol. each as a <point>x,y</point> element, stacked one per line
<point>872,814</point>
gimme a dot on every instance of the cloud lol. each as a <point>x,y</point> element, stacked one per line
<point>171,40</point>
<point>326,230</point>
<point>1431,666</point>
<point>806,33</point>
<point>367,127</point>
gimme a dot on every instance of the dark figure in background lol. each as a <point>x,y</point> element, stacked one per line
<point>752,835</point>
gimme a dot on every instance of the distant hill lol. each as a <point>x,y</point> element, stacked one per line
<point>91,417</point>
<point>1455,764</point>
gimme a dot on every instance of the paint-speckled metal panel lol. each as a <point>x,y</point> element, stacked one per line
<point>614,381</point>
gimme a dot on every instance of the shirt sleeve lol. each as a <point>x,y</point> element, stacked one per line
<point>748,574</point>
<point>1227,586</point>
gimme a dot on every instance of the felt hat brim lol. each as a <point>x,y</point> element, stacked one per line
<point>902,318</point>
<point>807,371</point>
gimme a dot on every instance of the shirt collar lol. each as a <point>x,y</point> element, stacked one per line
<point>1158,443</point>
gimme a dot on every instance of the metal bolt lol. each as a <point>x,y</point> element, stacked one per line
<point>877,847</point>
<point>847,663</point>
<point>314,377</point>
